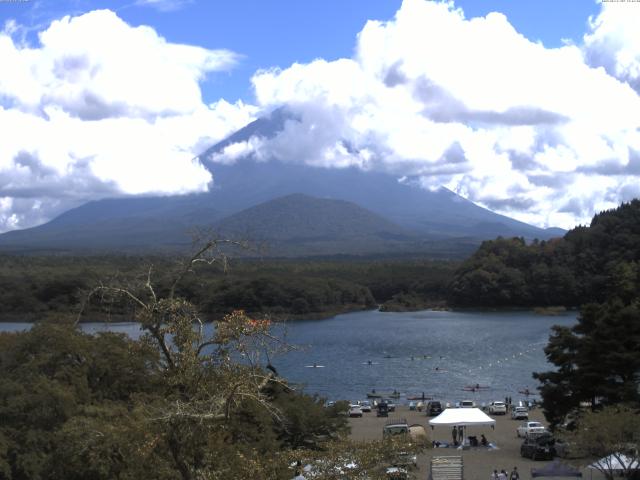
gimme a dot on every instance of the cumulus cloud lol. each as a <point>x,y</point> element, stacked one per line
<point>613,42</point>
<point>541,134</point>
<point>100,108</point>
<point>546,135</point>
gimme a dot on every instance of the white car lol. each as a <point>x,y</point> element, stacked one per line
<point>497,408</point>
<point>519,413</point>
<point>467,404</point>
<point>355,411</point>
<point>527,428</point>
<point>365,405</point>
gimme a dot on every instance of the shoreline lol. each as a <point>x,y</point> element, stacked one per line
<point>286,317</point>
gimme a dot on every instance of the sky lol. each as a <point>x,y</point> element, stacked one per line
<point>531,109</point>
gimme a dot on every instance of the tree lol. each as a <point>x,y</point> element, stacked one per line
<point>219,410</point>
<point>598,360</point>
<point>611,435</point>
<point>186,400</point>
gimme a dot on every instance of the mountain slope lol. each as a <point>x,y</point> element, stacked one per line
<point>131,224</point>
<point>302,225</point>
<point>303,217</point>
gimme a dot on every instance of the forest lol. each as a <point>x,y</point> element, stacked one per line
<point>589,264</point>
<point>38,287</point>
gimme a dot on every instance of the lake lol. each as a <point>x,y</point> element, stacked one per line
<point>438,353</point>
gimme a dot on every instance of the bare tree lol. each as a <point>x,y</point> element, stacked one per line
<point>208,369</point>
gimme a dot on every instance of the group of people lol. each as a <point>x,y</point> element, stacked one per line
<point>502,475</point>
<point>457,434</point>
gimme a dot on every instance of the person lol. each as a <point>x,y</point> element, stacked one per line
<point>483,440</point>
<point>461,434</point>
<point>514,474</point>
<point>502,475</point>
<point>454,435</point>
<point>494,475</point>
<point>369,362</point>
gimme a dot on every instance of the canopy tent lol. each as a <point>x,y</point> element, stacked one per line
<point>615,461</point>
<point>556,469</point>
<point>462,417</point>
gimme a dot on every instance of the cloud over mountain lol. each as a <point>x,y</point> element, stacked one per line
<point>547,135</point>
<point>542,134</point>
<point>101,108</point>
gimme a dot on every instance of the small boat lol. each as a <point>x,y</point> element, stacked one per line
<point>471,388</point>
<point>419,397</point>
<point>374,394</point>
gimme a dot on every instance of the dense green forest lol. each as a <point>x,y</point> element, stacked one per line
<point>33,287</point>
<point>589,264</point>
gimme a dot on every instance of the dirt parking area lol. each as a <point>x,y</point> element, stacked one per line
<point>478,462</point>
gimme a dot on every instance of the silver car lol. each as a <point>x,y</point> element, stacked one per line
<point>528,428</point>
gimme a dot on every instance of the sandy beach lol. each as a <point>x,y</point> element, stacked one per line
<point>478,462</point>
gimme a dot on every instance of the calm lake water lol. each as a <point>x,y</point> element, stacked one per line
<point>438,353</point>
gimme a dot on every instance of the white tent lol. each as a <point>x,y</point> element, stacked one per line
<point>462,417</point>
<point>615,461</point>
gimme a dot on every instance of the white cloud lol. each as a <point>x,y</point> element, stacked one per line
<point>549,136</point>
<point>613,42</point>
<point>536,133</point>
<point>101,108</point>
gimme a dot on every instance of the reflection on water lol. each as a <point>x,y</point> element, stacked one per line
<point>438,353</point>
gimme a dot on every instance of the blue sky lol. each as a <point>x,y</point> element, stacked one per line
<point>277,33</point>
<point>528,108</point>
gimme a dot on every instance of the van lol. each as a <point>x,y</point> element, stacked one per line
<point>395,427</point>
<point>434,408</point>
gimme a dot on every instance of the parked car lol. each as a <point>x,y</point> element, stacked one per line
<point>434,408</point>
<point>467,404</point>
<point>497,408</point>
<point>390,405</point>
<point>519,413</point>
<point>355,411</point>
<point>397,426</point>
<point>365,405</point>
<point>382,410</point>
<point>538,447</point>
<point>528,428</point>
